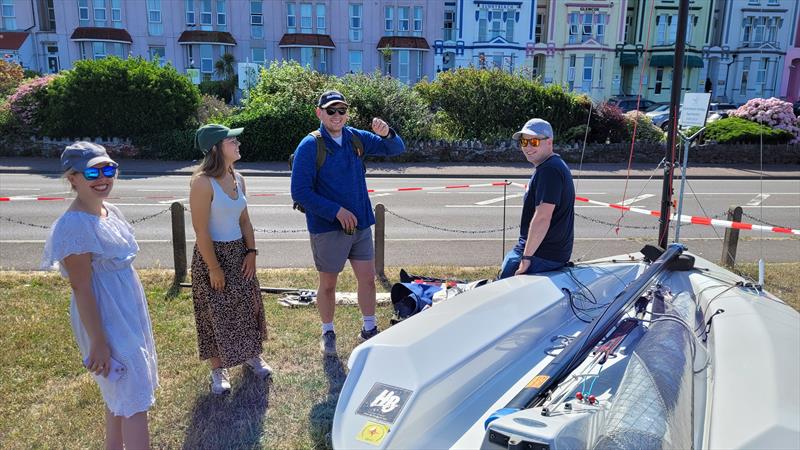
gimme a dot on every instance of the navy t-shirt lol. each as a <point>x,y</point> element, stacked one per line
<point>551,183</point>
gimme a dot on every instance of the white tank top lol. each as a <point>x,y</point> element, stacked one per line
<point>223,222</point>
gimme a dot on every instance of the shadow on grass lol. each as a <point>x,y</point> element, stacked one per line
<point>234,420</point>
<point>321,416</point>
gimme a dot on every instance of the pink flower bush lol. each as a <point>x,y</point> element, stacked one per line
<point>24,103</point>
<point>772,112</point>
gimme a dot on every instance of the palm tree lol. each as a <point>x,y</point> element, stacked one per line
<point>225,69</point>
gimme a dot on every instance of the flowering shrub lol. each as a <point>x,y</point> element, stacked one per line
<point>26,103</point>
<point>11,76</point>
<point>771,112</point>
<point>646,131</point>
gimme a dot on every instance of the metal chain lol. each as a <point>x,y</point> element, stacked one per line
<point>19,222</point>
<point>451,230</point>
<point>264,230</point>
<point>142,219</point>
<point>756,219</point>
<point>615,225</point>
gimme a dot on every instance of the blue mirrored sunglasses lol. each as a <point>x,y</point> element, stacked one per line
<point>93,173</point>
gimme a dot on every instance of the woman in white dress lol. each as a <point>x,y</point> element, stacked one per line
<point>94,247</point>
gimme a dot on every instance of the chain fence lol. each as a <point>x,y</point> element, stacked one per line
<point>449,230</point>
<point>762,222</point>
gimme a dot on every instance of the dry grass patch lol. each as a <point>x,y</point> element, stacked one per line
<point>51,402</point>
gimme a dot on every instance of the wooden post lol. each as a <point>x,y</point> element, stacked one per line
<point>178,241</point>
<point>380,244</point>
<point>731,239</point>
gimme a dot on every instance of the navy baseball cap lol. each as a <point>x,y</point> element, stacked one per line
<point>329,98</point>
<point>82,154</point>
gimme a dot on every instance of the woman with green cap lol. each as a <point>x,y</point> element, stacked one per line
<point>229,312</point>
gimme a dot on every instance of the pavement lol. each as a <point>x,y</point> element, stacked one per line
<point>144,167</point>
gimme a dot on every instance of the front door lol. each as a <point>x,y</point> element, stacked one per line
<point>53,63</point>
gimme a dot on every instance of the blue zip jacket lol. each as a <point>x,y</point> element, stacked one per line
<point>341,181</point>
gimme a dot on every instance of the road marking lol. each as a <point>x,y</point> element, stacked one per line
<point>380,195</point>
<point>633,200</point>
<point>164,202</point>
<point>499,199</point>
<point>757,200</point>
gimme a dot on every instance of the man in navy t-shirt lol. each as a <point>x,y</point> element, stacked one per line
<point>546,229</point>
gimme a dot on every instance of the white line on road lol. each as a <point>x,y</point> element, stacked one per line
<point>499,199</point>
<point>381,195</point>
<point>164,202</point>
<point>757,200</point>
<point>633,200</point>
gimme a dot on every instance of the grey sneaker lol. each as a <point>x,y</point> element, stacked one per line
<point>364,335</point>
<point>259,367</point>
<point>327,343</point>
<point>220,383</point>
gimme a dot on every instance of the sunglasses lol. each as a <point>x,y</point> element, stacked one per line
<point>533,142</point>
<point>93,173</point>
<point>332,111</point>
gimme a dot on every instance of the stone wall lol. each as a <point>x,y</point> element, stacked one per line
<point>474,151</point>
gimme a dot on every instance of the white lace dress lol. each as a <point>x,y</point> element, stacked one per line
<point>120,301</point>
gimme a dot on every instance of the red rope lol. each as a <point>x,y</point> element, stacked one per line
<point>636,121</point>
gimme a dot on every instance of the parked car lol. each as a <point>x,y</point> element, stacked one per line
<point>718,111</point>
<point>629,103</point>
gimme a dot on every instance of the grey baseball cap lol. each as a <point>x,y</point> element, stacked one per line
<point>82,154</point>
<point>538,128</point>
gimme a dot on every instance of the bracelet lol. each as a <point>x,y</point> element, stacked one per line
<point>527,257</point>
<point>251,250</point>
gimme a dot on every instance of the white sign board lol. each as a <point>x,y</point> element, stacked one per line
<point>694,109</point>
<point>248,75</point>
<point>194,75</point>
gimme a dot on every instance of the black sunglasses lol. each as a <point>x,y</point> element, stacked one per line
<point>332,111</point>
<point>93,173</point>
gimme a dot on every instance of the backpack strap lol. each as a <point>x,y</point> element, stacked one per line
<point>321,150</point>
<point>358,146</point>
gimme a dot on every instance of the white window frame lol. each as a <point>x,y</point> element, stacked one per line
<point>155,19</point>
<point>449,25</point>
<point>571,71</point>
<point>222,16</point>
<point>321,19</point>
<point>539,28</point>
<point>162,59</point>
<point>747,29</point>
<point>419,14</point>
<point>253,51</point>
<point>83,13</point>
<point>99,10</point>
<point>116,13</point>
<point>510,28</point>
<point>574,29</point>
<point>291,18</point>
<point>191,18</point>
<point>355,61</point>
<point>659,81</point>
<point>496,27</point>
<point>589,66</point>
<point>673,29</point>
<point>206,58</point>
<point>99,45</point>
<point>403,65</point>
<point>403,20</point>
<point>388,19</point>
<point>661,29</point>
<point>206,15</point>
<point>306,18</point>
<point>744,80</point>
<point>587,26</point>
<point>355,22</point>
<point>600,20</point>
<point>761,73</point>
<point>9,15</point>
<point>483,27</point>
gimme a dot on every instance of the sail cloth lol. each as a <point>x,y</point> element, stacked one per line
<point>653,407</point>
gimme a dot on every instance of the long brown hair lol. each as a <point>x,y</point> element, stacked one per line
<point>213,164</point>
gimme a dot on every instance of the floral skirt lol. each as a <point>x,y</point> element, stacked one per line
<point>231,324</point>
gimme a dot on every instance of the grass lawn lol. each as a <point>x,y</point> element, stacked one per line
<point>50,401</point>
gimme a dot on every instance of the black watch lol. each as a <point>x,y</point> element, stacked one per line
<point>527,257</point>
<point>251,250</point>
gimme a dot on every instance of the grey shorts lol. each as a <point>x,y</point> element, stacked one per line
<point>333,248</point>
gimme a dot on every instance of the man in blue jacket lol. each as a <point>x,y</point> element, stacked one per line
<point>546,229</point>
<point>338,210</point>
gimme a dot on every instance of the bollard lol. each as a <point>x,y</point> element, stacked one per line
<point>380,244</point>
<point>731,239</point>
<point>178,241</point>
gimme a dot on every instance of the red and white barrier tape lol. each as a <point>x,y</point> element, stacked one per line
<point>439,188</point>
<point>698,220</point>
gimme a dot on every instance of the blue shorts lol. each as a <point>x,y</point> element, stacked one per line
<point>333,248</point>
<point>512,259</point>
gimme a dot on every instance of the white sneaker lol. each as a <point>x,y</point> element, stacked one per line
<point>259,367</point>
<point>220,382</point>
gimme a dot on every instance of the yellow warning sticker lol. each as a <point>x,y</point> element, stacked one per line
<point>373,433</point>
<point>538,381</point>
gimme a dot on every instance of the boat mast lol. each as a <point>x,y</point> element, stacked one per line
<point>672,129</point>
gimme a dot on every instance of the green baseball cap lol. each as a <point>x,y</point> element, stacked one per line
<point>208,135</point>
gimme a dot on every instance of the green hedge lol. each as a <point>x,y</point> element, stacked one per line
<point>119,98</point>
<point>485,104</point>
<point>734,130</point>
<point>272,131</point>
